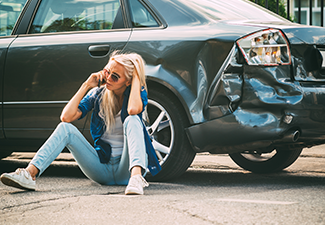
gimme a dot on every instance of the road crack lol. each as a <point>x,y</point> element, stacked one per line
<point>39,202</point>
<point>193,215</point>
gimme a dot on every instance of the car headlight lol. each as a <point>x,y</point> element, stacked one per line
<point>268,47</point>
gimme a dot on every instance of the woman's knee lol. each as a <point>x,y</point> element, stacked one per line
<point>66,127</point>
<point>132,120</point>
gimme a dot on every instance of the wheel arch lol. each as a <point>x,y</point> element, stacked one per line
<point>154,83</point>
<point>180,155</point>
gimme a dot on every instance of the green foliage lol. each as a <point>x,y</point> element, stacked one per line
<point>272,6</point>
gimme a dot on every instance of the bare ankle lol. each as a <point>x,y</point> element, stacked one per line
<point>136,170</point>
<point>33,171</point>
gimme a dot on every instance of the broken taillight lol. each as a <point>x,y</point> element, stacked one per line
<point>268,47</point>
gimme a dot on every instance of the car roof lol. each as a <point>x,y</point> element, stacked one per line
<point>191,12</point>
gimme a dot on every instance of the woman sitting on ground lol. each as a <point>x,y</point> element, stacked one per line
<point>122,149</point>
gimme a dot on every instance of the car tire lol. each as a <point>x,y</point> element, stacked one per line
<point>169,139</point>
<point>275,161</point>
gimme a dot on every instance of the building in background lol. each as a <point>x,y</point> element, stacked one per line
<point>305,17</point>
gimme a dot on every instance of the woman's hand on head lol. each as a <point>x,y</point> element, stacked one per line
<point>136,79</point>
<point>135,102</point>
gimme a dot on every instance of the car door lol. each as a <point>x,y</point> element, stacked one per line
<point>4,43</point>
<point>9,13</point>
<point>56,50</point>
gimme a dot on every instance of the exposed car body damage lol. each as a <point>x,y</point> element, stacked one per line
<point>254,107</point>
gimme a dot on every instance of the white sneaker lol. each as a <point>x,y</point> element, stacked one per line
<point>136,185</point>
<point>21,178</point>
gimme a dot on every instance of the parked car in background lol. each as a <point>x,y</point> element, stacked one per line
<point>225,77</point>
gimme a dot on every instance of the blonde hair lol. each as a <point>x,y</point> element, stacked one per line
<point>134,66</point>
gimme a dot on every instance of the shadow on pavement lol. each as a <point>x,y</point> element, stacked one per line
<point>194,177</point>
<point>63,170</point>
<point>238,178</point>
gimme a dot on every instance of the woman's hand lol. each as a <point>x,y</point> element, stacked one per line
<point>71,112</point>
<point>94,78</point>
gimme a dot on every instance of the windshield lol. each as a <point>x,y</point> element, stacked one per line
<point>232,10</point>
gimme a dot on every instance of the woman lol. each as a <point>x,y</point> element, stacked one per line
<point>122,148</point>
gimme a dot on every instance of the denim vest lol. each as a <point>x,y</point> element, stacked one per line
<point>97,126</point>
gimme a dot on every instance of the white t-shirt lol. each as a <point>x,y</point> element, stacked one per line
<point>115,138</point>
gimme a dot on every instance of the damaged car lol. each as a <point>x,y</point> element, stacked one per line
<point>225,77</point>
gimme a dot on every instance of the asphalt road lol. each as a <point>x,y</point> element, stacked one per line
<point>213,191</point>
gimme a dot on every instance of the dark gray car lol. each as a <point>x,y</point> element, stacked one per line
<point>223,76</point>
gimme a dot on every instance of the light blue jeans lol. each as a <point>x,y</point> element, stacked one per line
<point>116,171</point>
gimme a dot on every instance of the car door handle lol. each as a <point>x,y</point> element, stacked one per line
<point>98,51</point>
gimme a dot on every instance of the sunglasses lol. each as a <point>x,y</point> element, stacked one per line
<point>114,76</point>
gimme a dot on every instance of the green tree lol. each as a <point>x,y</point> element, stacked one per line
<point>272,6</point>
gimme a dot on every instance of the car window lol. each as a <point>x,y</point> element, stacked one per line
<point>9,13</point>
<point>140,16</point>
<point>75,15</point>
